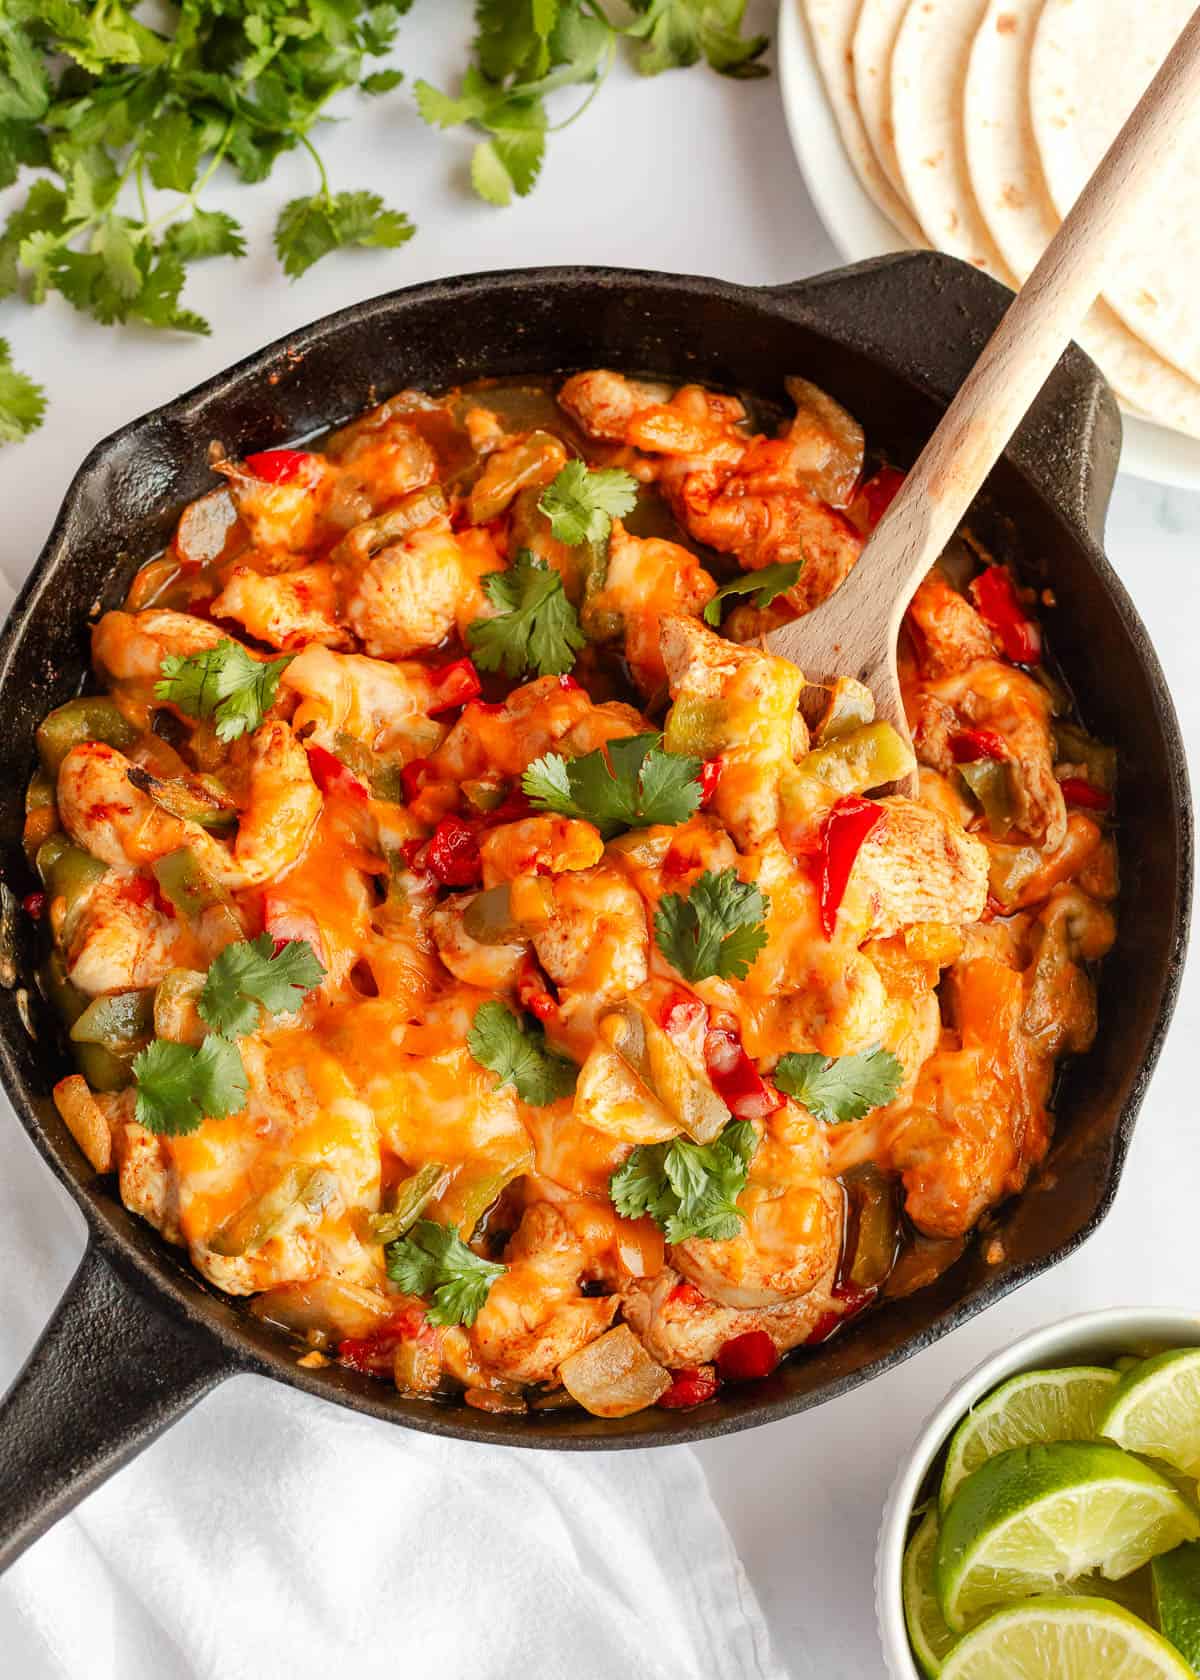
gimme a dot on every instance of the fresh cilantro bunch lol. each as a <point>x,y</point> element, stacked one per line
<point>526,49</point>
<point>515,1051</point>
<point>717,929</point>
<point>632,783</point>
<point>688,1189</point>
<point>536,627</point>
<point>108,103</point>
<point>223,683</point>
<point>838,1088</point>
<point>433,1261</point>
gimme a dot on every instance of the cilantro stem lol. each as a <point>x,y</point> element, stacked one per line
<point>610,53</point>
<point>315,155</point>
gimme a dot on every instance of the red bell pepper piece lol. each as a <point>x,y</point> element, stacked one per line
<point>278,466</point>
<point>455,683</point>
<point>452,854</point>
<point>414,777</point>
<point>845,828</point>
<point>879,492</point>
<point>735,1078</point>
<point>1078,792</point>
<point>533,992</point>
<point>687,1294</point>
<point>970,745</point>
<point>692,1387</point>
<point>332,776</point>
<point>1001,610</point>
<point>746,1358</point>
<point>372,1354</point>
<point>710,776</point>
<point>34,905</point>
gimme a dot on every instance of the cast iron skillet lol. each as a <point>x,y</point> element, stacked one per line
<point>139,1337</point>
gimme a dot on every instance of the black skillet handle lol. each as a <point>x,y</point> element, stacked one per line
<point>109,1374</point>
<point>928,316</point>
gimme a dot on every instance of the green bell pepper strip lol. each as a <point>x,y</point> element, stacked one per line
<point>408,1201</point>
<point>696,727</point>
<point>851,705</point>
<point>67,871</point>
<point>92,717</point>
<point>654,1059</point>
<point>176,1016</point>
<point>301,1189</point>
<point>119,1021</point>
<point>1073,745</point>
<point>489,918</point>
<point>864,758</point>
<point>471,1194</point>
<point>191,802</point>
<point>990,780</point>
<point>192,890</point>
<point>103,1070</point>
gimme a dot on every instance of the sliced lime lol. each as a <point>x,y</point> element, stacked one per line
<point>1155,1409</point>
<point>1034,1518</point>
<point>1037,1407</point>
<point>928,1634</point>
<point>1064,1639</point>
<point>1176,1579</point>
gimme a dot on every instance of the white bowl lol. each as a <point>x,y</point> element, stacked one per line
<point>1091,1338</point>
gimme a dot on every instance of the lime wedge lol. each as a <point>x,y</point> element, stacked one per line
<point>928,1634</point>
<point>1036,1407</point>
<point>1064,1639</point>
<point>1177,1599</point>
<point>1155,1409</point>
<point>1034,1518</point>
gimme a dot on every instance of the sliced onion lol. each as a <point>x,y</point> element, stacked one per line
<point>204,527</point>
<point>329,1308</point>
<point>85,1121</point>
<point>611,1099</point>
<point>614,1375</point>
<point>828,443</point>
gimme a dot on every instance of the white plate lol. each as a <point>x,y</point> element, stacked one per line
<point>860,230</point>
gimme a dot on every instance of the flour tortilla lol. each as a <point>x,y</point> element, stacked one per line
<point>874,37</point>
<point>831,26</point>
<point>1015,202</point>
<point>929,68</point>
<point>1089,66</point>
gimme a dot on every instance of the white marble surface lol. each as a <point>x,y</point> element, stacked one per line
<point>689,173</point>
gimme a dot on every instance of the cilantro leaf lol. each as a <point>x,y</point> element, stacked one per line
<point>22,403</point>
<point>179,1086</point>
<point>764,586</point>
<point>582,505</point>
<point>432,1260</point>
<point>688,1189</point>
<point>536,629</point>
<point>223,683</point>
<point>715,930</point>
<point>310,228</point>
<point>837,1088</point>
<point>632,783</point>
<point>679,32</point>
<point>516,1053</point>
<point>250,973</point>
<point>174,144</point>
<point>206,233</point>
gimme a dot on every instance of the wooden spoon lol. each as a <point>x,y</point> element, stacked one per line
<point>854,632</point>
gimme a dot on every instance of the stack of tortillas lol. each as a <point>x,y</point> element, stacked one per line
<point>974,124</point>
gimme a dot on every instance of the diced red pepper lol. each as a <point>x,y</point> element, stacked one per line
<point>278,466</point>
<point>710,776</point>
<point>452,854</point>
<point>970,745</point>
<point>1089,798</point>
<point>746,1358</point>
<point>681,1012</point>
<point>845,828</point>
<point>455,684</point>
<point>515,805</point>
<point>879,492</point>
<point>533,993</point>
<point>373,1354</point>
<point>686,1294</point>
<point>34,904</point>
<point>735,1078</point>
<point>332,776</point>
<point>855,1298</point>
<point>692,1387</point>
<point>413,777</point>
<point>1000,608</point>
<point>569,684</point>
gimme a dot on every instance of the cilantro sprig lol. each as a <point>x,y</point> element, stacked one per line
<point>632,783</point>
<point>582,505</point>
<point>181,1085</point>
<point>250,976</point>
<point>223,683</point>
<point>515,1051</point>
<point>433,1261</point>
<point>688,1189</point>
<point>839,1088</point>
<point>536,628</point>
<point>765,586</point>
<point>716,929</point>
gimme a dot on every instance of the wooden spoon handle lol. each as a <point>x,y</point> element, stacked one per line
<point>998,391</point>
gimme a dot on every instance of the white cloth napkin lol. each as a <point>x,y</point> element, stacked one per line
<point>268,1535</point>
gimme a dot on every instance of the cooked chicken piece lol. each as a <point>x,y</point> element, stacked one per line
<point>284,609</point>
<point>280,519</point>
<point>918,866</point>
<point>535,1315</point>
<point>647,579</point>
<point>380,457</point>
<point>381,703</point>
<point>550,714</point>
<point>789,1244</point>
<point>402,596</point>
<point>546,845</point>
<point>120,942</point>
<point>602,404</point>
<point>128,648</point>
<point>493,968</point>
<point>952,636</point>
<point>681,1327</point>
<point>741,706</point>
<point>596,945</point>
<point>1060,1010</point>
